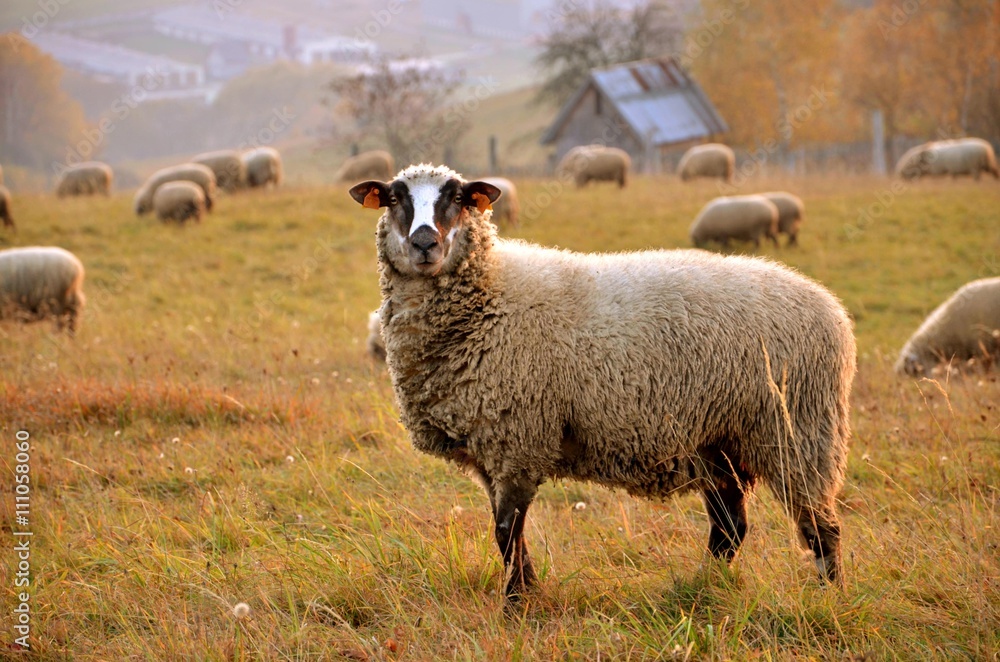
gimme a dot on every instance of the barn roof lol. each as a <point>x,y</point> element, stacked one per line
<point>659,101</point>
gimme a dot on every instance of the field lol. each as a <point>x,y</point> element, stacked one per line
<point>215,434</point>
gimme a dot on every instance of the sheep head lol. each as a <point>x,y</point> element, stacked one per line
<point>426,208</point>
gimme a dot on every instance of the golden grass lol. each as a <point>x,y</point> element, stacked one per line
<point>215,435</point>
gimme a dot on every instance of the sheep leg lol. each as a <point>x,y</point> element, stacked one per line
<point>510,501</point>
<point>726,504</point>
<point>821,530</point>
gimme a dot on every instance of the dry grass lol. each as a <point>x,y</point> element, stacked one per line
<point>215,435</point>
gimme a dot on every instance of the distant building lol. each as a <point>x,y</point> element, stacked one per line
<point>334,49</point>
<point>155,73</point>
<point>646,108</point>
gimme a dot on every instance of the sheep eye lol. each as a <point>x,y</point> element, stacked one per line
<point>458,199</point>
<point>393,201</point>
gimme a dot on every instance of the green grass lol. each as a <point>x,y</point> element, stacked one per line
<point>215,434</point>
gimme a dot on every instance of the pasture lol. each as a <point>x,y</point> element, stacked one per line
<point>215,434</point>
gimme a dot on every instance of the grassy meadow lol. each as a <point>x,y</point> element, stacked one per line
<point>215,435</point>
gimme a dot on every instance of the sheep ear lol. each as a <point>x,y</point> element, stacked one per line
<point>371,194</point>
<point>481,195</point>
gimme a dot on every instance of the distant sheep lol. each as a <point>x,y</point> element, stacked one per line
<point>790,213</point>
<point>508,205</point>
<point>376,164</point>
<point>595,163</point>
<point>189,172</point>
<point>5,213</point>
<point>264,167</point>
<point>964,156</point>
<point>374,344</point>
<point>88,178</point>
<point>41,282</point>
<point>713,160</point>
<point>966,326</point>
<point>656,372</point>
<point>739,217</point>
<point>179,201</point>
<point>230,171</point>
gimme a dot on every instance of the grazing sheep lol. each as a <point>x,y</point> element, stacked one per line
<point>190,172</point>
<point>966,326</point>
<point>740,217</point>
<point>374,343</point>
<point>790,213</point>
<point>88,178</point>
<point>39,282</point>
<point>179,201</point>
<point>263,166</point>
<point>230,171</point>
<point>5,213</point>
<point>376,164</point>
<point>710,160</point>
<point>598,163</point>
<point>657,372</point>
<point>964,156</point>
<point>507,206</point>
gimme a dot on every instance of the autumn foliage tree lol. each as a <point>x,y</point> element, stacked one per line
<point>39,122</point>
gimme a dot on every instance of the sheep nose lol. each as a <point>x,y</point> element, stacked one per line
<point>424,243</point>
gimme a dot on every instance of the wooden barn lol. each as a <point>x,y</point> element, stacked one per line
<point>649,108</point>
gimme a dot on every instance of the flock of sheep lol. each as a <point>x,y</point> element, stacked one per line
<point>521,363</point>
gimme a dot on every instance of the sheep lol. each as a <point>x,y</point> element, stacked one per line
<point>709,160</point>
<point>5,213</point>
<point>374,344</point>
<point>964,156</point>
<point>263,166</point>
<point>966,326</point>
<point>88,178</point>
<point>376,164</point>
<point>230,171</point>
<point>741,217</point>
<point>190,172</point>
<point>179,201</point>
<point>598,163</point>
<point>656,372</point>
<point>39,282</point>
<point>508,206</point>
<point>790,213</point>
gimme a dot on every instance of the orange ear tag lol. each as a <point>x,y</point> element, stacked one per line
<point>372,200</point>
<point>482,202</point>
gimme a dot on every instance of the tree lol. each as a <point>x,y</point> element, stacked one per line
<point>582,39</point>
<point>39,123</point>
<point>405,105</point>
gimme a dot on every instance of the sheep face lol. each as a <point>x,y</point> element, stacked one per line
<point>426,210</point>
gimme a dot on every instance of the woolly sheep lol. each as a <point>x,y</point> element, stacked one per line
<point>263,166</point>
<point>5,213</point>
<point>190,172</point>
<point>230,171</point>
<point>790,213</point>
<point>964,156</point>
<point>966,326</point>
<point>507,206</point>
<point>598,163</point>
<point>179,201</point>
<point>39,282</point>
<point>657,372</point>
<point>88,178</point>
<point>710,160</point>
<point>741,217</point>
<point>376,164</point>
<point>374,343</point>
